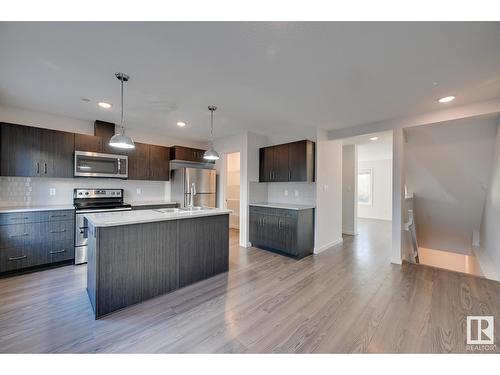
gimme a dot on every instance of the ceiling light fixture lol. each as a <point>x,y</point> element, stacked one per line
<point>211,154</point>
<point>104,105</point>
<point>181,124</point>
<point>373,138</point>
<point>121,140</point>
<point>446,99</point>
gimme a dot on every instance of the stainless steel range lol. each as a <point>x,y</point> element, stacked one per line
<point>91,201</point>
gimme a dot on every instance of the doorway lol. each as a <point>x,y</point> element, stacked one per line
<point>233,191</point>
<point>367,185</point>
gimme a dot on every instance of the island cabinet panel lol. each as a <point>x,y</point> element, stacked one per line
<point>160,259</point>
<point>203,248</point>
<point>136,262</point>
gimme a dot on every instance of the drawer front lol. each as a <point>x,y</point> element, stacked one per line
<point>13,236</point>
<point>18,218</point>
<point>14,258</point>
<point>35,216</point>
<point>58,231</point>
<point>58,251</point>
<point>274,211</point>
<point>59,215</point>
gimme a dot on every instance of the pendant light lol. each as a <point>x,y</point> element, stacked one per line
<point>211,154</point>
<point>121,140</point>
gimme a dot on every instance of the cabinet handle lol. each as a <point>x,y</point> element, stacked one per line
<point>270,175</point>
<point>45,167</point>
<point>19,218</point>
<point>57,252</point>
<point>289,175</point>
<point>63,215</point>
<point>58,231</point>
<point>279,224</point>
<point>263,221</point>
<point>19,235</point>
<point>18,258</point>
<point>37,167</point>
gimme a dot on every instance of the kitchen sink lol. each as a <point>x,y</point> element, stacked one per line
<point>197,208</point>
<point>168,210</point>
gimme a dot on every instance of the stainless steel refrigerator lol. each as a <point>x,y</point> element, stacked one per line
<point>202,181</point>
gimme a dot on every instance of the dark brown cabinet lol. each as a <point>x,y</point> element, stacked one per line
<point>187,154</point>
<point>89,143</point>
<point>287,231</point>
<point>138,162</point>
<point>159,163</point>
<point>287,162</point>
<point>149,162</point>
<point>27,152</point>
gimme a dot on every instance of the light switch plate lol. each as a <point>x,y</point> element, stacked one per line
<point>286,193</point>
<point>52,191</point>
<point>296,193</point>
<point>138,191</point>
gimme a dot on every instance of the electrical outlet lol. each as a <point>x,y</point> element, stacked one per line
<point>138,191</point>
<point>296,193</point>
<point>286,193</point>
<point>52,191</point>
<point>325,188</point>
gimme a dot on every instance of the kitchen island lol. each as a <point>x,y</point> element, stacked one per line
<point>137,255</point>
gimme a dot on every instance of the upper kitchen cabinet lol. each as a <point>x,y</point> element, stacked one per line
<point>187,154</point>
<point>159,163</point>
<point>287,162</point>
<point>149,162</point>
<point>89,143</point>
<point>28,152</point>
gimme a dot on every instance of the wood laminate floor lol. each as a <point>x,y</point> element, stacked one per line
<point>346,299</point>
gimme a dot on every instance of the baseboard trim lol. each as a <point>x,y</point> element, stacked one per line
<point>486,264</point>
<point>320,249</point>
<point>349,232</point>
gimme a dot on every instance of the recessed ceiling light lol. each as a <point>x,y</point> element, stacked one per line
<point>181,124</point>
<point>373,138</point>
<point>104,105</point>
<point>446,99</point>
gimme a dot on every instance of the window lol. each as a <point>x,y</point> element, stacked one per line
<point>365,183</point>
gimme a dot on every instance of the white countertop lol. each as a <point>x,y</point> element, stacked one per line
<point>36,208</point>
<point>110,219</point>
<point>150,203</point>
<point>286,206</point>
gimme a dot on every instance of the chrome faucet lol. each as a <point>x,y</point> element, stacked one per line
<point>192,193</point>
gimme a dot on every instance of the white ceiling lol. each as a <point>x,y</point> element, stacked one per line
<point>266,77</point>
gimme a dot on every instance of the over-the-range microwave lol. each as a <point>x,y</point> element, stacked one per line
<point>94,164</point>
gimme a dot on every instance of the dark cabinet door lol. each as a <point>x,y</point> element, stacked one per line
<point>19,151</point>
<point>281,171</point>
<point>159,163</point>
<point>90,143</point>
<point>301,161</point>
<point>254,228</point>
<point>187,154</point>
<point>56,151</point>
<point>266,164</point>
<point>138,162</point>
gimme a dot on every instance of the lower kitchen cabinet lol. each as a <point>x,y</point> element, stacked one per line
<point>287,231</point>
<point>30,239</point>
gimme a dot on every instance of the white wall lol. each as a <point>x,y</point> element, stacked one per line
<point>489,253</point>
<point>398,196</point>
<point>448,169</point>
<point>349,191</point>
<point>328,192</point>
<point>381,207</point>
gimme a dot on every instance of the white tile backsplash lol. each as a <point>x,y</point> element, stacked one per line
<point>23,191</point>
<point>283,192</point>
